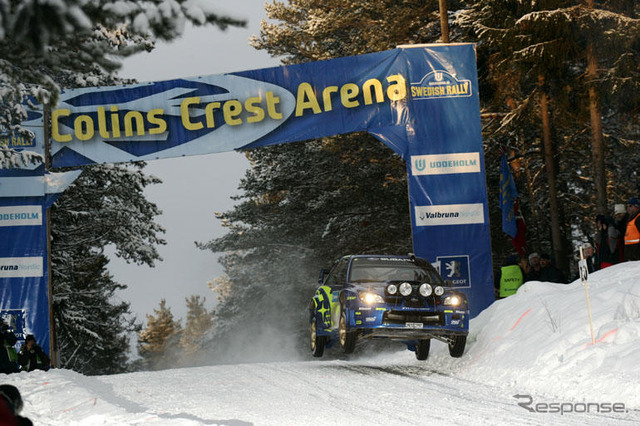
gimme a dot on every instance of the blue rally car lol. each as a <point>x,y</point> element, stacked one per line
<point>390,297</point>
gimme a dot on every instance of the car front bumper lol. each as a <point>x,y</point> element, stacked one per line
<point>407,323</point>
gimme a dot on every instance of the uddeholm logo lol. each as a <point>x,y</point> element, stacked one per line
<point>442,164</point>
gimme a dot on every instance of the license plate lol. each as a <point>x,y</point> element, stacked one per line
<point>414,325</point>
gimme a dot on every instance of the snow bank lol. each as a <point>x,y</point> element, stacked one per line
<point>539,340</point>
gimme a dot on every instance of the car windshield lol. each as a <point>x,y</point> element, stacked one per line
<point>391,269</point>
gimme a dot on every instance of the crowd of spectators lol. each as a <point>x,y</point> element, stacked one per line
<point>616,239</point>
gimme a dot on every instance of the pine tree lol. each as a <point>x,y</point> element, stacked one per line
<point>313,30</point>
<point>527,49</point>
<point>222,286</point>
<point>104,206</point>
<point>157,341</point>
<point>92,330</point>
<point>198,323</point>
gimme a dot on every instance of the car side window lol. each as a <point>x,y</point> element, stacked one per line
<point>330,279</point>
<point>338,274</point>
<point>341,272</point>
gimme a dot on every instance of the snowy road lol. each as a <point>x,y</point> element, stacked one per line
<point>391,389</point>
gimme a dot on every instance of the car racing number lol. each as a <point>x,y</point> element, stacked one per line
<point>413,325</point>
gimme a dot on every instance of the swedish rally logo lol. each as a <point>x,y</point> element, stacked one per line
<point>440,84</point>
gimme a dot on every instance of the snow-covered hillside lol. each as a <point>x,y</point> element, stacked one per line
<point>529,360</point>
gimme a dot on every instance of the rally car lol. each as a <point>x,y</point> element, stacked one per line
<point>389,297</point>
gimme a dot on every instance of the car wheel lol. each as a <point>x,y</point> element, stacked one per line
<point>347,338</point>
<point>456,346</point>
<point>422,349</point>
<point>316,342</point>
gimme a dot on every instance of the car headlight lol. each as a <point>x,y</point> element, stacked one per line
<point>392,289</point>
<point>454,300</point>
<point>370,298</point>
<point>425,290</point>
<point>405,289</point>
<point>439,290</point>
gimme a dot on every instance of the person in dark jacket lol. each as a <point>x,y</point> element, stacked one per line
<point>533,269</point>
<point>31,356</point>
<point>548,272</point>
<point>620,218</point>
<point>7,351</point>
<point>588,252</point>
<point>11,406</point>
<point>607,243</point>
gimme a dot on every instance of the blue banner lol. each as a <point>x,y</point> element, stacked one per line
<point>26,192</point>
<point>447,185</point>
<point>420,100</point>
<point>508,196</point>
<point>24,300</point>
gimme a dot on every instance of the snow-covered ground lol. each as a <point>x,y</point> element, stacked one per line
<point>529,360</point>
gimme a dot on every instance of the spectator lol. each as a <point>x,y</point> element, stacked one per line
<point>11,406</point>
<point>588,252</point>
<point>31,356</point>
<point>620,219</point>
<point>632,234</point>
<point>548,272</point>
<point>510,277</point>
<point>607,243</point>
<point>8,355</point>
<point>534,269</point>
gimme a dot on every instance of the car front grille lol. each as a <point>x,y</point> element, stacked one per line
<point>409,302</point>
<point>402,317</point>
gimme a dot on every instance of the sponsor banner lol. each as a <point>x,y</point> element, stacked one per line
<point>452,214</point>
<point>21,267</point>
<point>21,216</point>
<point>443,164</point>
<point>448,201</point>
<point>420,100</point>
<point>219,113</point>
<point>456,269</point>
<point>24,290</point>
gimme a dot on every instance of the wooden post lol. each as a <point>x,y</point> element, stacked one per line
<point>444,21</point>
<point>53,344</point>
<point>584,274</point>
<point>549,162</point>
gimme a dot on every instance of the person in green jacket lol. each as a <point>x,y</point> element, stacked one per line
<point>510,278</point>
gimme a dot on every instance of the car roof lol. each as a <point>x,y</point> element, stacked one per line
<point>381,256</point>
